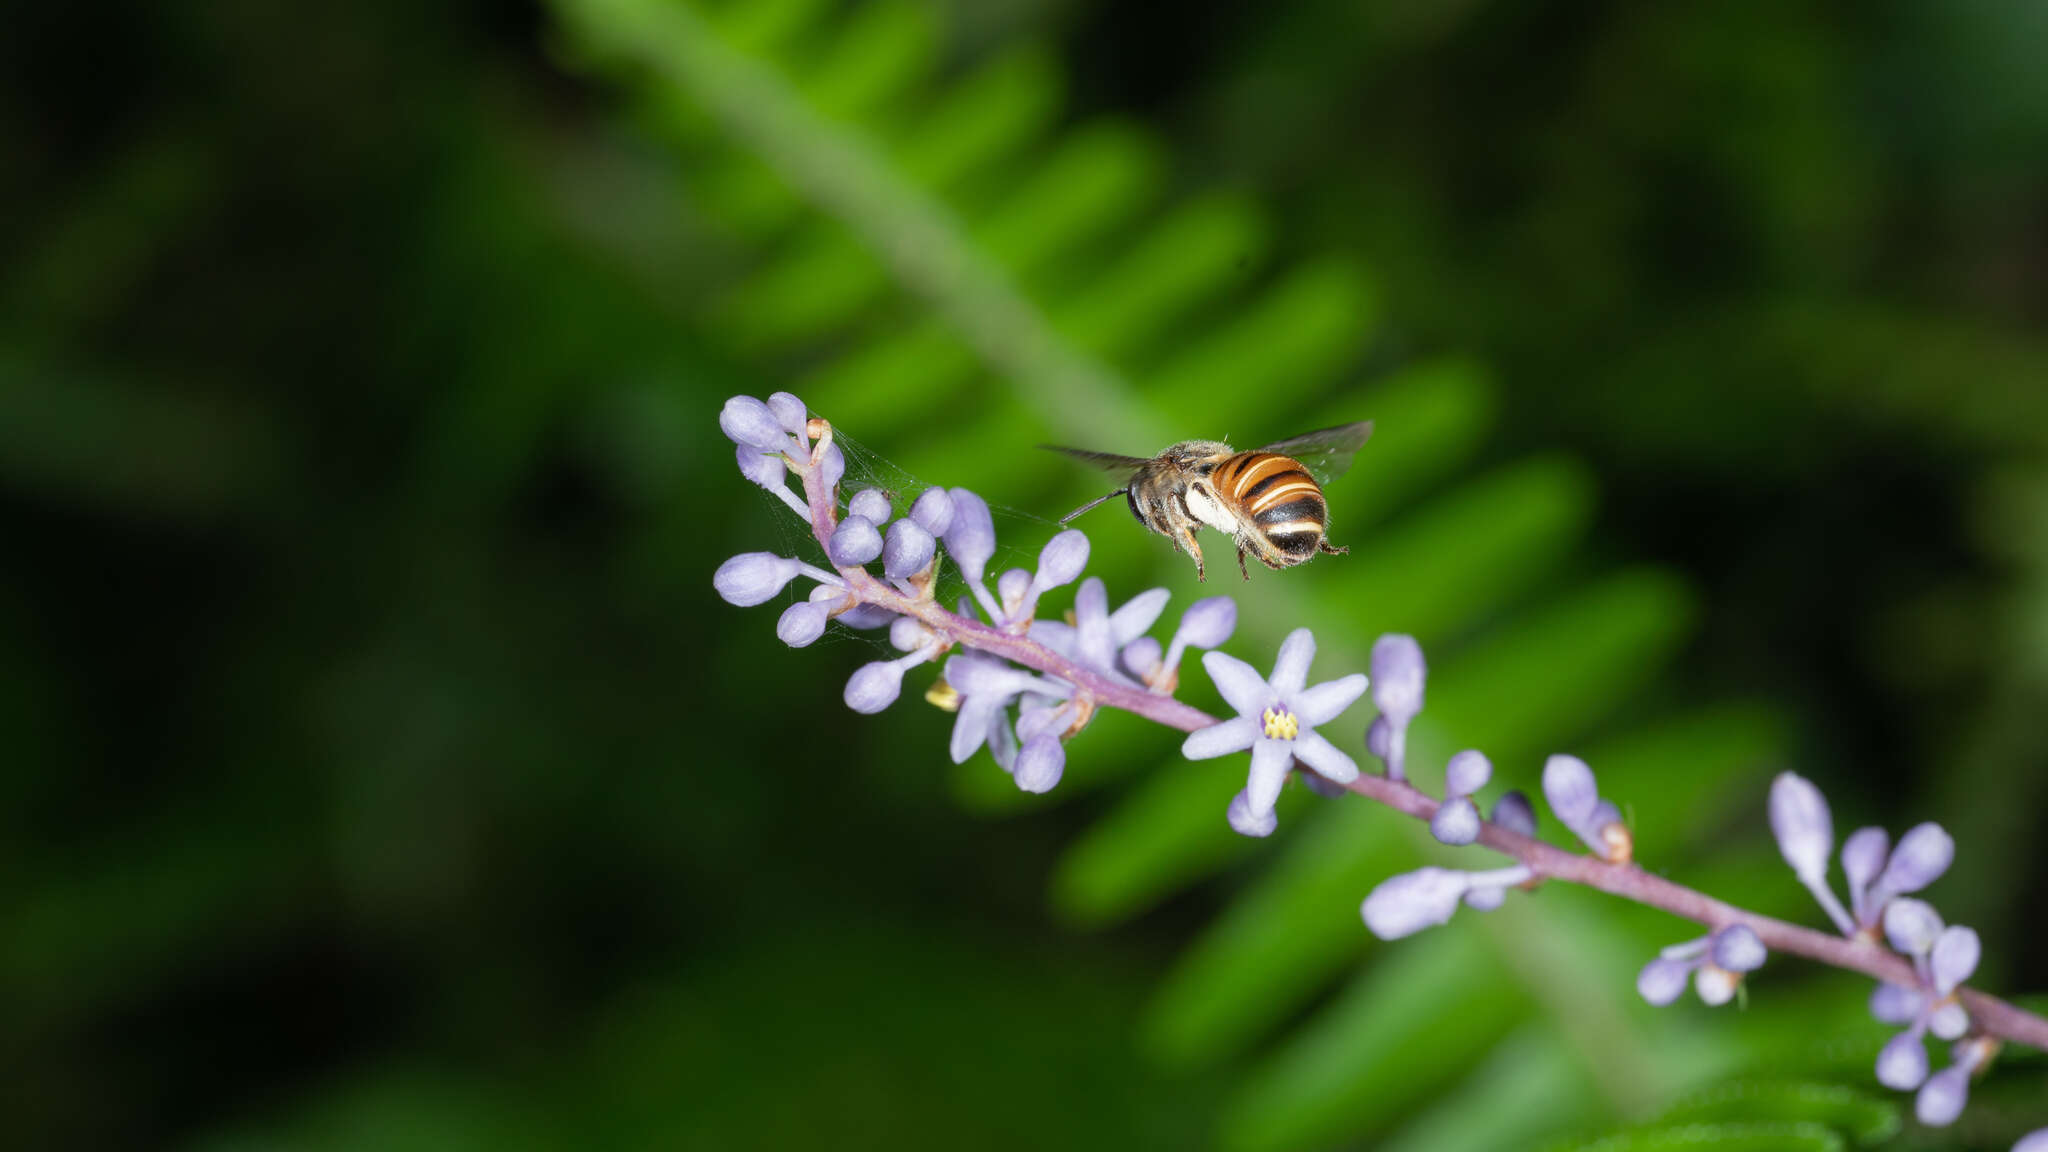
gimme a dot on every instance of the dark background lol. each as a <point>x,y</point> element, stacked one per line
<point>380,770</point>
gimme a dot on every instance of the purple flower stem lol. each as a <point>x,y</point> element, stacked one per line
<point>1990,1014</point>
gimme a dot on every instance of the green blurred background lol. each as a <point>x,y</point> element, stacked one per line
<point>381,771</point>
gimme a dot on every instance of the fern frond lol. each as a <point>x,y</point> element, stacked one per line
<point>917,233</point>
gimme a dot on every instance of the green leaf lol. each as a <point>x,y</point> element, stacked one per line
<point>985,122</point>
<point>1402,1028</point>
<point>1864,1117</point>
<point>1270,354</point>
<point>1731,1137</point>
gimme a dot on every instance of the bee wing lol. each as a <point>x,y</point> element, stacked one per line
<point>1325,452</point>
<point>1107,461</point>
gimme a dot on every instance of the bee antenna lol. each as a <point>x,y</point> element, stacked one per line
<point>1092,503</point>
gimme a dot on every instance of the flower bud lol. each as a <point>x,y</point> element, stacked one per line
<point>1738,949</point>
<point>855,542</point>
<point>1923,854</point>
<point>1514,812</point>
<point>1902,1062</point>
<point>1011,589</point>
<point>971,536</point>
<point>1379,738</point>
<point>1208,623</point>
<point>748,421</point>
<point>1398,673</point>
<point>1911,925</point>
<point>907,549</point>
<point>763,468</point>
<point>1467,772</point>
<point>1406,904</point>
<point>1568,785</point>
<point>933,508</point>
<point>1040,763</point>
<point>1942,1098</point>
<point>1803,826</point>
<point>1456,822</point>
<point>873,687</point>
<point>1714,984</point>
<point>1956,952</point>
<point>790,413</point>
<point>1061,560</point>
<point>871,504</point>
<point>752,578</point>
<point>1663,980</point>
<point>1863,856</point>
<point>802,623</point>
<point>1141,657</point>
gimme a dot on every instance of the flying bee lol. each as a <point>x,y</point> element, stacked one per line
<point>1270,499</point>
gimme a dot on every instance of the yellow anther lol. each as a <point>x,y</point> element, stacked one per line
<point>1281,724</point>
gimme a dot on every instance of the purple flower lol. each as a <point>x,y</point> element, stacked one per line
<point>987,686</point>
<point>1406,904</point>
<point>1276,719</point>
<point>1457,818</point>
<point>1398,672</point>
<point>1098,635</point>
<point>1573,794</point>
<point>2035,1141</point>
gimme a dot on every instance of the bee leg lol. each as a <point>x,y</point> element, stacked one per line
<point>1194,549</point>
<point>1331,549</point>
<point>1242,570</point>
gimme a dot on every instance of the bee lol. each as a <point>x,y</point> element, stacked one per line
<point>1270,499</point>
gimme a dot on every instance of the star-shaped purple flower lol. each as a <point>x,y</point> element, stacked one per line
<point>1276,719</point>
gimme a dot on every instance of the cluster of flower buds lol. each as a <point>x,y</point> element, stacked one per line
<point>1103,647</point>
<point>1880,878</point>
<point>1715,964</point>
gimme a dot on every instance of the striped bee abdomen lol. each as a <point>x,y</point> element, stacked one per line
<point>1280,498</point>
